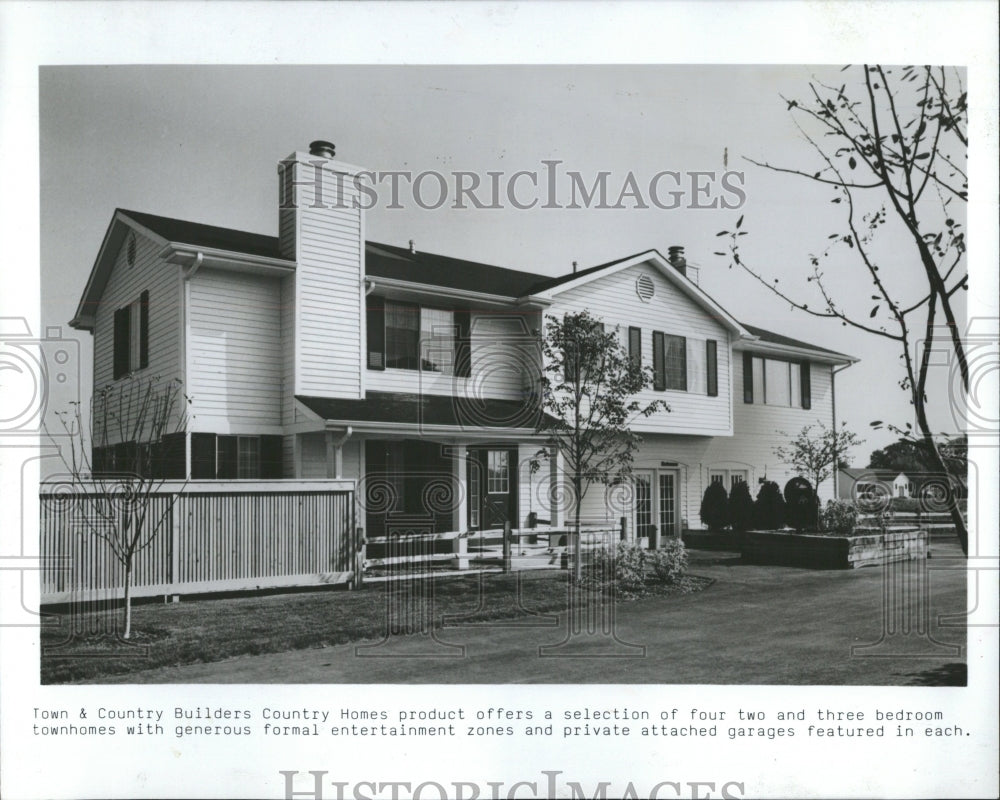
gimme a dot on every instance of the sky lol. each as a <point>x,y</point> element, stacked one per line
<point>201,143</point>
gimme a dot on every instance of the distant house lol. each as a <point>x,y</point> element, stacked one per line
<point>317,353</point>
<point>857,482</point>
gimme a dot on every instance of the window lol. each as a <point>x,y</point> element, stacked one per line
<point>402,333</point>
<point>728,477</point>
<point>437,340</point>
<point>131,337</point>
<point>776,382</point>
<point>711,368</point>
<point>635,345</point>
<point>235,456</point>
<point>669,362</point>
<point>575,355</point>
<point>498,472</point>
<point>406,336</point>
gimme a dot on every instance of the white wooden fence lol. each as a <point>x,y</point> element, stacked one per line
<point>215,536</point>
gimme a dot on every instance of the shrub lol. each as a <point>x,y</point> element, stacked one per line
<point>741,507</point>
<point>801,505</point>
<point>715,507</point>
<point>839,516</point>
<point>670,562</point>
<point>769,510</point>
<point>908,505</point>
<point>621,569</point>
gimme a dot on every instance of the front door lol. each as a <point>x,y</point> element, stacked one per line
<point>492,483</point>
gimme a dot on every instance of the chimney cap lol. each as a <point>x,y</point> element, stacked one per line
<point>322,148</point>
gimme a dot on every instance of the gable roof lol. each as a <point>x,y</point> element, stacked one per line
<point>788,341</point>
<point>396,263</point>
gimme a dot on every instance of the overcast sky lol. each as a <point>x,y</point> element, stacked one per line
<point>201,143</point>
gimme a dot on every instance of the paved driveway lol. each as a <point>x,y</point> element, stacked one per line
<point>754,625</point>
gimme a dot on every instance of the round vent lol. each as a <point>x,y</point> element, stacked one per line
<point>130,250</point>
<point>645,288</point>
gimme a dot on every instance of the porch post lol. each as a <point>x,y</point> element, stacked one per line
<point>459,473</point>
<point>334,457</point>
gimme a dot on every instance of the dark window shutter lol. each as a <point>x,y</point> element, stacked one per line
<point>203,456</point>
<point>463,344</point>
<point>659,362</point>
<point>375,322</point>
<point>806,384</point>
<point>121,343</point>
<point>144,330</point>
<point>226,463</point>
<point>270,457</point>
<point>635,345</point>
<point>747,377</point>
<point>712,367</point>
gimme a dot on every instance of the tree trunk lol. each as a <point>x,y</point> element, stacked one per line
<point>128,601</point>
<point>956,513</point>
<point>578,561</point>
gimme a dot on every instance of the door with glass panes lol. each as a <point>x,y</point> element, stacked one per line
<point>655,497</point>
<point>492,483</point>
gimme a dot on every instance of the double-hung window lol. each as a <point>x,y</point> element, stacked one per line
<point>669,362</point>
<point>131,337</point>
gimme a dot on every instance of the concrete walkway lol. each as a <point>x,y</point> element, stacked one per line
<point>754,625</point>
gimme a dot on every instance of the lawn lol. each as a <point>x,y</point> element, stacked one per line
<point>216,629</point>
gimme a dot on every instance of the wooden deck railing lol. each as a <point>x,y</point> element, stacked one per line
<point>216,536</point>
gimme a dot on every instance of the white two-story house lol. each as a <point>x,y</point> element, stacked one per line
<point>318,354</point>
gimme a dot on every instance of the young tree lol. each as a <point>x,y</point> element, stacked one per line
<point>892,146</point>
<point>816,451</point>
<point>116,487</point>
<point>588,386</point>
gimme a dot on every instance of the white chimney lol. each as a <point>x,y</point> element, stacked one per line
<point>321,228</point>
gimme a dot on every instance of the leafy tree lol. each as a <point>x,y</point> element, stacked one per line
<point>815,450</point>
<point>119,503</point>
<point>741,507</point>
<point>589,384</point>
<point>769,509</point>
<point>905,455</point>
<point>715,506</point>
<point>891,145</point>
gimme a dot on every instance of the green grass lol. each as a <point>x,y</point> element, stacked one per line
<point>207,630</point>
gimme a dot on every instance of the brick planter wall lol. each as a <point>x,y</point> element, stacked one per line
<point>833,551</point>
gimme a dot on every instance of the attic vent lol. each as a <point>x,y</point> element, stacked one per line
<point>645,288</point>
<point>130,250</point>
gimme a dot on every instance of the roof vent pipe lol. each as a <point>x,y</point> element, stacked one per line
<point>675,255</point>
<point>323,149</point>
<point>413,246</point>
<point>574,268</point>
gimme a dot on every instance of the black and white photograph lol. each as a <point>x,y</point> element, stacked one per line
<point>629,423</point>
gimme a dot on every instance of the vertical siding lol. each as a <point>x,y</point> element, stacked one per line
<point>328,284</point>
<point>614,300</point>
<point>161,280</point>
<point>236,350</point>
